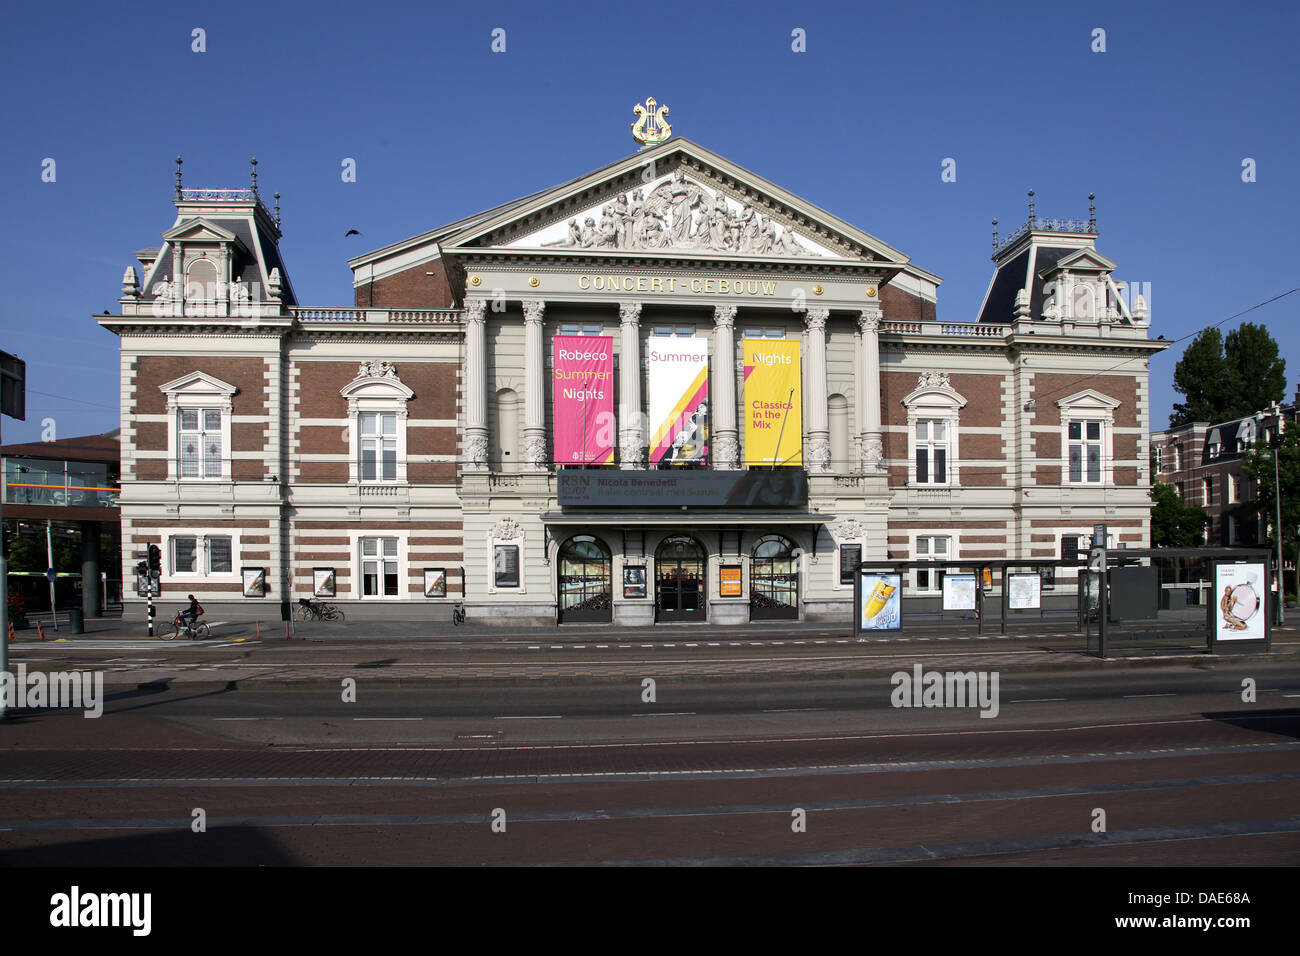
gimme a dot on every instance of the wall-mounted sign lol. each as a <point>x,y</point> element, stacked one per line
<point>1240,590</point>
<point>730,583</point>
<point>323,583</point>
<point>582,391</point>
<point>880,604</point>
<point>505,565</point>
<point>435,582</point>
<point>755,488</point>
<point>1024,591</point>
<point>773,403</point>
<point>254,581</point>
<point>959,592</point>
<point>679,400</point>
<point>850,557</point>
<point>634,582</point>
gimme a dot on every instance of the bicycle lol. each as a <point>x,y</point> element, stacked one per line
<point>458,613</point>
<point>195,630</point>
<point>309,610</point>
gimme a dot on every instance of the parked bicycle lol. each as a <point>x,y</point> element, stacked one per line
<point>309,610</point>
<point>458,613</point>
<point>193,630</point>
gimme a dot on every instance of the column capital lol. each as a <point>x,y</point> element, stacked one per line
<point>629,313</point>
<point>814,320</point>
<point>869,320</point>
<point>533,309</point>
<point>724,316</point>
<point>475,310</point>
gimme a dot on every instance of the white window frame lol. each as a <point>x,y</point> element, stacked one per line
<point>403,565</point>
<point>385,395</point>
<point>932,403</point>
<point>1082,408</point>
<point>197,391</point>
<point>934,586</point>
<point>203,555</point>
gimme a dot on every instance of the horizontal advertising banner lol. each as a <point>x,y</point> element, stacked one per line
<point>679,400</point>
<point>582,393</point>
<point>783,488</point>
<point>773,404</point>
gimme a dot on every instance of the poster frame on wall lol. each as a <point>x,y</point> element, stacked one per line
<point>1259,625</point>
<point>1036,591</point>
<point>253,581</point>
<point>435,582</point>
<point>634,582</point>
<point>864,583</point>
<point>953,587</point>
<point>324,583</point>
<point>731,580</point>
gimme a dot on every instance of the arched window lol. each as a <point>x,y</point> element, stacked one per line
<point>933,414</point>
<point>505,448</point>
<point>585,580</point>
<point>201,280</point>
<point>838,409</point>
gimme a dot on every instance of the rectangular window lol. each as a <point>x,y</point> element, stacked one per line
<point>1085,451</point>
<point>379,567</point>
<point>378,446</point>
<point>200,442</point>
<point>184,554</point>
<point>574,328</point>
<point>675,331</point>
<point>932,548</point>
<point>219,556</point>
<point>764,333</point>
<point>1209,490</point>
<point>931,452</point>
<point>505,565</point>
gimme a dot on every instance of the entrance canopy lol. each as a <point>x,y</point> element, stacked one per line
<point>676,519</point>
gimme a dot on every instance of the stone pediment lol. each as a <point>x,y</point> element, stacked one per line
<point>200,230</point>
<point>1082,261</point>
<point>674,198</point>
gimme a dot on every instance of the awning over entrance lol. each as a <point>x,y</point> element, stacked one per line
<point>678,518</point>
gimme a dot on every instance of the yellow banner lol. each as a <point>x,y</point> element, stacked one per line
<point>773,405</point>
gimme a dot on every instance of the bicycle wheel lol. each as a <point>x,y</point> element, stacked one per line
<point>199,632</point>
<point>333,614</point>
<point>304,612</point>
<point>166,635</point>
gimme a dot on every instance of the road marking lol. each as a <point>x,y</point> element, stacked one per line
<point>534,717</point>
<point>678,713</point>
<point>1291,695</point>
<point>1134,696</point>
<point>1037,700</point>
<point>388,718</point>
<point>793,710</point>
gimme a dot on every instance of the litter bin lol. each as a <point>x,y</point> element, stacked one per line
<point>76,621</point>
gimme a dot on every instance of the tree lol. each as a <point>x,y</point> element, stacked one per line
<point>1174,522</point>
<point>1228,377</point>
<point>1258,464</point>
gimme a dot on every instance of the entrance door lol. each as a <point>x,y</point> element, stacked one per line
<point>679,581</point>
<point>774,580</point>
<point>585,586</point>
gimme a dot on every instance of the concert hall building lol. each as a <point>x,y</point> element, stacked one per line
<point>665,391</point>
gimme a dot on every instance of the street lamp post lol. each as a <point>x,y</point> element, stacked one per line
<point>1274,410</point>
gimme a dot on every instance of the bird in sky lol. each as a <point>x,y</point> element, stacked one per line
<point>351,232</point>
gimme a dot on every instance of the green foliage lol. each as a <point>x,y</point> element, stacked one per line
<point>1258,464</point>
<point>1174,522</point>
<point>1228,377</point>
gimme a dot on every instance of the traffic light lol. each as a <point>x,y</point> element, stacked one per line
<point>155,560</point>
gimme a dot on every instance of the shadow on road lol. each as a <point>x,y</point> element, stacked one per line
<point>1284,722</point>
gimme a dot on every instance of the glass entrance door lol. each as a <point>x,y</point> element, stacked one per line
<point>585,584</point>
<point>774,580</point>
<point>679,581</point>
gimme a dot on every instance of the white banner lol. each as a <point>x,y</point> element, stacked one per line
<point>679,400</point>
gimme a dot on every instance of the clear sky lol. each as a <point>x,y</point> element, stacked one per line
<point>441,126</point>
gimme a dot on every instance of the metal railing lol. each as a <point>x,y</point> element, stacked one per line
<point>409,316</point>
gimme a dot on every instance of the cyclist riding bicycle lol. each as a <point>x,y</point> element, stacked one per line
<point>192,613</point>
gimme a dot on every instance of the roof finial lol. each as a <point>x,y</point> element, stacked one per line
<point>1092,212</point>
<point>1031,209</point>
<point>178,177</point>
<point>995,235</point>
<point>277,210</point>
<point>254,162</point>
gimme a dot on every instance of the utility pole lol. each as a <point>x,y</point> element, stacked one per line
<point>1275,410</point>
<point>13,402</point>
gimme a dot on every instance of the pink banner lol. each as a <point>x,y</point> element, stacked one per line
<point>583,397</point>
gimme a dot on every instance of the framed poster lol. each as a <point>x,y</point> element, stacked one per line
<point>850,557</point>
<point>1048,575</point>
<point>881,601</point>
<point>634,582</point>
<point>678,375</point>
<point>254,580</point>
<point>987,574</point>
<point>1024,591</point>
<point>505,565</point>
<point>1241,606</point>
<point>959,592</point>
<point>323,582</point>
<point>729,581</point>
<point>435,582</point>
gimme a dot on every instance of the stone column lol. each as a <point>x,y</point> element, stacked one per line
<point>476,432</point>
<point>724,444</point>
<point>819,433</point>
<point>534,388</point>
<point>873,446</point>
<point>631,437</point>
<point>90,597</point>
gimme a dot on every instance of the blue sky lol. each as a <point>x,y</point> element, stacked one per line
<point>441,127</point>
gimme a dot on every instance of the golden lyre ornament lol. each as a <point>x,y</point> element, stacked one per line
<point>652,124</point>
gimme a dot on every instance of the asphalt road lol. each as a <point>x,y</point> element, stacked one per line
<point>790,772</point>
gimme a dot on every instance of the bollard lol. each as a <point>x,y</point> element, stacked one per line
<point>11,630</point>
<point>286,630</point>
<point>259,630</point>
<point>40,630</point>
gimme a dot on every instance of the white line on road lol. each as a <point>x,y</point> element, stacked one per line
<point>388,718</point>
<point>534,717</point>
<point>793,710</point>
<point>679,713</point>
<point>1132,696</point>
<point>1037,700</point>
